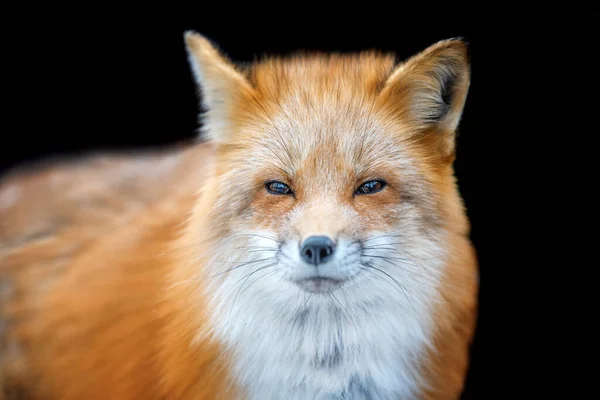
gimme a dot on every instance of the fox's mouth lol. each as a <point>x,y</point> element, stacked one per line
<point>319,284</point>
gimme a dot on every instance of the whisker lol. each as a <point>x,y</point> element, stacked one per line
<point>417,272</point>
<point>344,293</point>
<point>402,288</point>
<point>257,279</point>
<point>240,265</point>
<point>197,244</point>
<point>246,280</point>
<point>298,298</point>
<point>254,248</point>
<point>218,274</point>
<point>393,245</point>
<point>381,237</point>
<point>402,266</point>
<point>300,311</point>
<point>385,258</point>
<point>380,248</point>
<point>252,235</point>
<point>306,302</point>
<point>399,235</point>
<point>343,308</point>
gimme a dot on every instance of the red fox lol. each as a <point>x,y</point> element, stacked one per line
<point>310,244</point>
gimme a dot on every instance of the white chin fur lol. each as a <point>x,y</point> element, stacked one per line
<point>359,341</point>
<point>319,285</point>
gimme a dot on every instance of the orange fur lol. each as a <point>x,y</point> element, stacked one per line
<point>99,276</point>
<point>92,290</point>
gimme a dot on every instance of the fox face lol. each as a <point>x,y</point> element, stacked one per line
<point>329,219</point>
<point>334,197</point>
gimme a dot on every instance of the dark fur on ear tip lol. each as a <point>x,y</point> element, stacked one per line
<point>461,39</point>
<point>468,48</point>
<point>466,45</point>
<point>447,81</point>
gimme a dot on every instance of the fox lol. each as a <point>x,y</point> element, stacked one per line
<point>309,243</point>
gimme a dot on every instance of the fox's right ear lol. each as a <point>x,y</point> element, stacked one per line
<point>429,90</point>
<point>221,85</point>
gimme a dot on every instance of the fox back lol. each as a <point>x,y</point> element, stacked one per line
<point>313,244</point>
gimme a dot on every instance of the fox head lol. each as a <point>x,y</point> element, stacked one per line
<point>332,184</point>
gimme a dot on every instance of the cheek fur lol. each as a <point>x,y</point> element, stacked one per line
<point>379,210</point>
<point>268,211</point>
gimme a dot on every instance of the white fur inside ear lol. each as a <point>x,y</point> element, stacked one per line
<point>220,85</point>
<point>196,72</point>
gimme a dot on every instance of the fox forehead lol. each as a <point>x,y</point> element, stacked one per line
<point>321,114</point>
<point>322,98</point>
<point>336,77</point>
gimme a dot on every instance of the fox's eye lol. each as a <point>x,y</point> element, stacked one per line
<point>275,187</point>
<point>370,187</point>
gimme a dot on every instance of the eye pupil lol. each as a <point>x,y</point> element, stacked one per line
<point>278,188</point>
<point>371,187</point>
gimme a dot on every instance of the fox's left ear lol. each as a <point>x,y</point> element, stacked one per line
<point>221,84</point>
<point>429,89</point>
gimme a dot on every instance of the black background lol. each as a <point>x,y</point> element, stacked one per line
<point>103,80</point>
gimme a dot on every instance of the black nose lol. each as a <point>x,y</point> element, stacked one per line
<point>317,250</point>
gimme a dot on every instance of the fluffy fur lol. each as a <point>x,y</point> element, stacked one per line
<point>189,284</point>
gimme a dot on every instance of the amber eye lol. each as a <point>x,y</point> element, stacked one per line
<point>370,187</point>
<point>275,187</point>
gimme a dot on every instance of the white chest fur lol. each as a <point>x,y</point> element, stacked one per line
<point>322,347</point>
